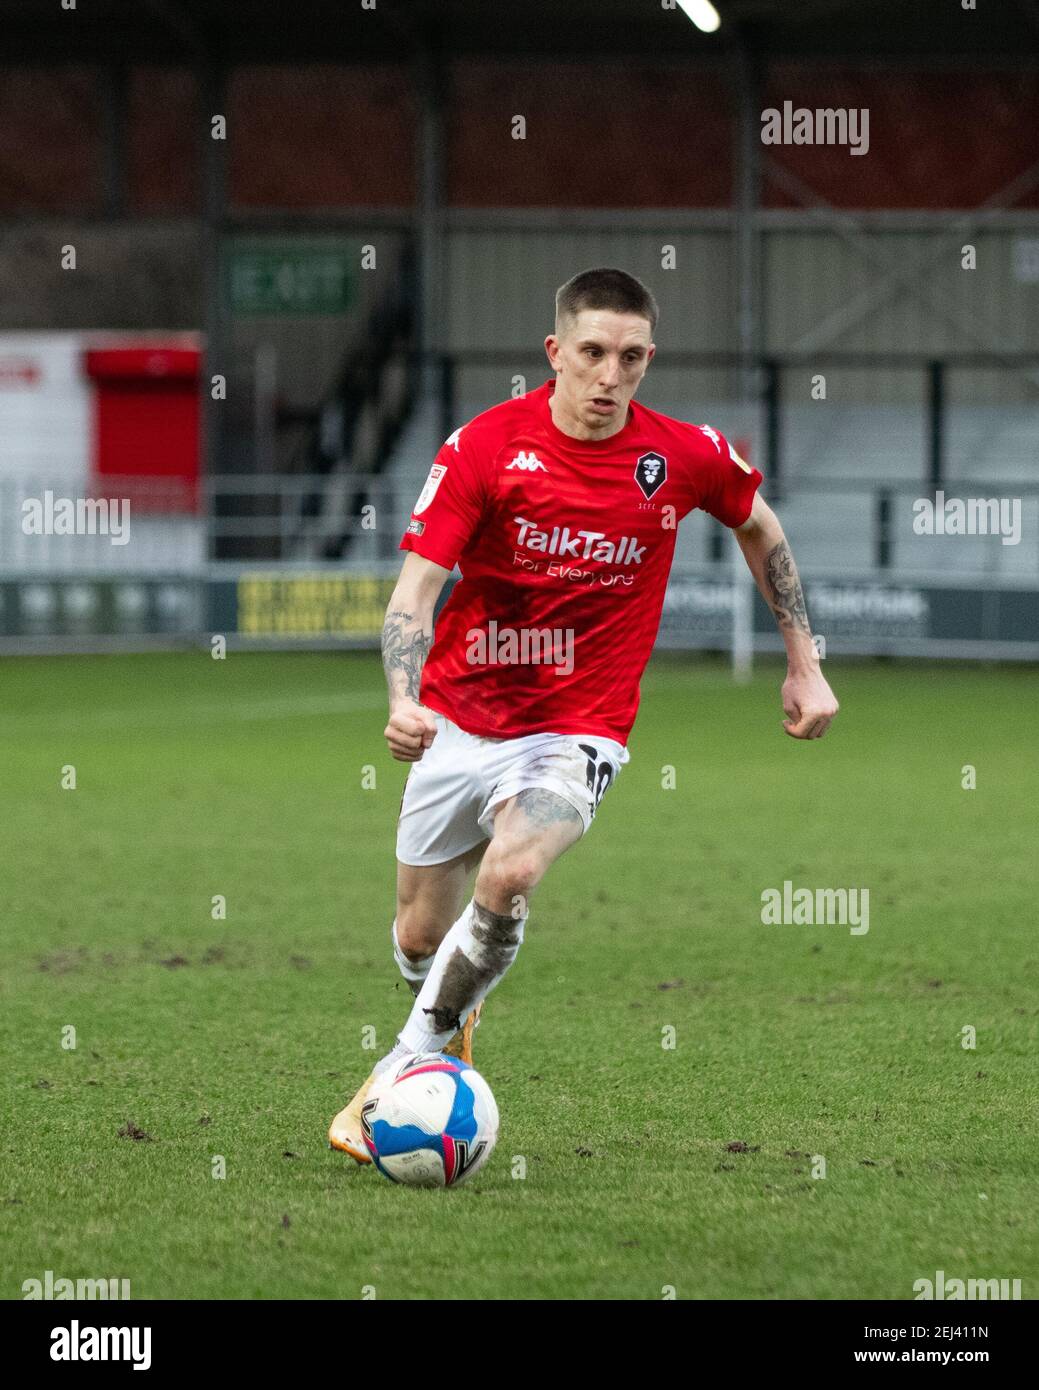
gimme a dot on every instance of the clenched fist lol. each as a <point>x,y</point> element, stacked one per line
<point>809,703</point>
<point>411,730</point>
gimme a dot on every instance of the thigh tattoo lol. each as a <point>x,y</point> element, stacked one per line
<point>543,807</point>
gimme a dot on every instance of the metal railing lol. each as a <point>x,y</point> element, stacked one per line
<point>248,520</point>
<point>930,375</point>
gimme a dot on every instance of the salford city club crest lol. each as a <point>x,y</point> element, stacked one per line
<point>651,473</point>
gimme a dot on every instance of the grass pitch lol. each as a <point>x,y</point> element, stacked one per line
<point>647,1168</point>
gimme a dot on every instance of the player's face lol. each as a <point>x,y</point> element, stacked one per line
<point>599,359</point>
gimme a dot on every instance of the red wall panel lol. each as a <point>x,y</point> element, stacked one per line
<point>321,137</point>
<point>936,140</point>
<point>164,141</point>
<point>50,141</point>
<point>597,136</point>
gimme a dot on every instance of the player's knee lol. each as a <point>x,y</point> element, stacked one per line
<point>417,934</point>
<point>507,874</point>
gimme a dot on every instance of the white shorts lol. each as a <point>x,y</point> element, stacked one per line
<point>452,792</point>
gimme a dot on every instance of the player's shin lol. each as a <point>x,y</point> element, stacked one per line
<point>415,973</point>
<point>471,959</point>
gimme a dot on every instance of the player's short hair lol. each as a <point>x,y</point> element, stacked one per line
<point>605,288</point>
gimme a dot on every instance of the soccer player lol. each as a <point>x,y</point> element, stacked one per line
<point>560,508</point>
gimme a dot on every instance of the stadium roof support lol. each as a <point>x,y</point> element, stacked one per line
<point>431,80</point>
<point>213,102</point>
<point>115,89</point>
<point>746,229</point>
<point>747,203</point>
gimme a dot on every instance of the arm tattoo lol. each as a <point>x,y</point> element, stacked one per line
<point>784,589</point>
<point>405,646</point>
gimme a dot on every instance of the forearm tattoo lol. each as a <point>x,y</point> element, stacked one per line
<point>784,589</point>
<point>405,646</point>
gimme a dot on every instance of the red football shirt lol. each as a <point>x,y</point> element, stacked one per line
<point>564,547</point>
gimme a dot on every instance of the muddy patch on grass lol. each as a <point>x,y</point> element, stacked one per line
<point>132,1131</point>
<point>62,962</point>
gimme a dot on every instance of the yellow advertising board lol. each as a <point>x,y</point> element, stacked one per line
<point>312,605</point>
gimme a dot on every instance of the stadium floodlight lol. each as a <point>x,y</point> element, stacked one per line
<point>702,13</point>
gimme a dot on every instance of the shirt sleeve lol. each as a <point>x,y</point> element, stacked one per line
<point>450,504</point>
<point>728,483</point>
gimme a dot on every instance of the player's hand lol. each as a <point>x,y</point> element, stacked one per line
<point>809,702</point>
<point>411,730</point>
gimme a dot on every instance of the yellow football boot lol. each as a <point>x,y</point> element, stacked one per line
<point>344,1133</point>
<point>461,1045</point>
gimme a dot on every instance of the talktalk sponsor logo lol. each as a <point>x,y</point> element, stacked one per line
<point>579,545</point>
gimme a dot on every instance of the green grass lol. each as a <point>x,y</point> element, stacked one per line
<point>241,1037</point>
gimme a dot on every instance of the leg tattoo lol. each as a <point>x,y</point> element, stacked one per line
<point>543,807</point>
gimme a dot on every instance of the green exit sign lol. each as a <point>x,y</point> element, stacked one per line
<point>299,280</point>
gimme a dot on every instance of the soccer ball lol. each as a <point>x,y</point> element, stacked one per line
<point>431,1121</point>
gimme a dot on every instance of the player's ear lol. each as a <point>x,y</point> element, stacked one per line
<point>552,349</point>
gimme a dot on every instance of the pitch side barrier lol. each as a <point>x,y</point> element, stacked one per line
<point>342,606</point>
<point>863,615</point>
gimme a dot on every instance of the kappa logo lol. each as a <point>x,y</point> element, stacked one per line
<point>530,463</point>
<point>651,473</point>
<point>716,440</point>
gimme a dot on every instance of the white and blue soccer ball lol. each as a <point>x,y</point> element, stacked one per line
<point>431,1121</point>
